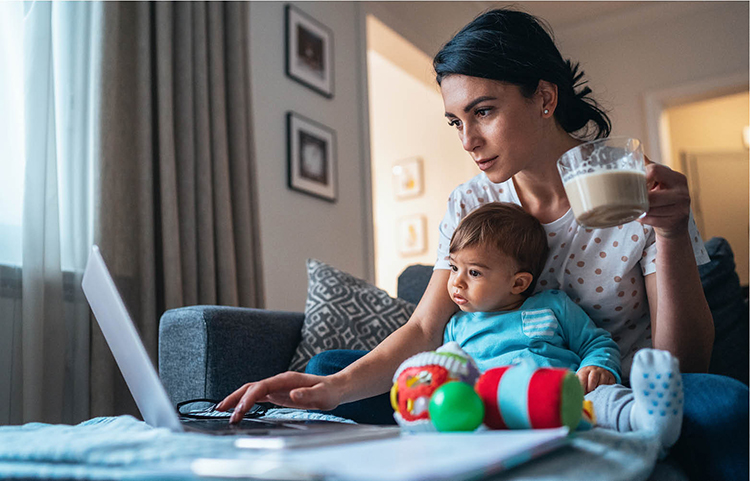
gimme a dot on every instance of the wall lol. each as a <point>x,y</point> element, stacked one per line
<point>428,25</point>
<point>294,226</point>
<point>407,120</point>
<point>672,44</point>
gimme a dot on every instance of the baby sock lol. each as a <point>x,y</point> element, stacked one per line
<point>657,387</point>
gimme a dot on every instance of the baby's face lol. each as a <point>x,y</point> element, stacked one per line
<point>482,280</point>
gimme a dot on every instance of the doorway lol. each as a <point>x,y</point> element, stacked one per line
<point>416,158</point>
<point>706,141</point>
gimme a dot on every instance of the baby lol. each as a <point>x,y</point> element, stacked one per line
<point>496,254</point>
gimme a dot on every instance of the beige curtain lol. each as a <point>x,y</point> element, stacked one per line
<point>176,219</point>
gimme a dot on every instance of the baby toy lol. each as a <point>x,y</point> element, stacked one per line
<point>418,378</point>
<point>442,390</point>
<point>525,396</point>
<point>455,406</point>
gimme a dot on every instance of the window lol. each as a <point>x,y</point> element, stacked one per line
<point>11,131</point>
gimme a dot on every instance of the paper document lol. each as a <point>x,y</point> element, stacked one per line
<point>420,457</point>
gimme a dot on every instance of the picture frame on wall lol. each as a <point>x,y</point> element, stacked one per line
<point>412,235</point>
<point>311,157</point>
<point>309,51</point>
<point>407,178</point>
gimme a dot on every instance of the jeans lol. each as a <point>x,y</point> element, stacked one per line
<point>374,410</point>
<point>713,444</point>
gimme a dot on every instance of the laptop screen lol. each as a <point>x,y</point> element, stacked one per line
<point>126,346</point>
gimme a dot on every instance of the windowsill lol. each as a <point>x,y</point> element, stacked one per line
<point>11,284</point>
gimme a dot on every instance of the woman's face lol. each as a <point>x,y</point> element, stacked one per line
<point>496,124</point>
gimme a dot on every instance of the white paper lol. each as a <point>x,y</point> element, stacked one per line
<point>420,457</point>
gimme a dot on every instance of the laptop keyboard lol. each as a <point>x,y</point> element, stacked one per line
<point>211,413</point>
<point>260,427</point>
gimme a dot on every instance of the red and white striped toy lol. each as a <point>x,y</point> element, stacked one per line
<point>525,396</point>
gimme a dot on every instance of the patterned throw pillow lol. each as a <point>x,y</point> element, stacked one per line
<point>343,312</point>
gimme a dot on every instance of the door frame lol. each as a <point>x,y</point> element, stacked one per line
<point>656,101</point>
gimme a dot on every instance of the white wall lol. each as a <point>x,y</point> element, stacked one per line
<point>294,226</point>
<point>406,120</point>
<point>627,57</point>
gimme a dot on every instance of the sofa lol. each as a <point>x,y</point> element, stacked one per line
<point>209,351</point>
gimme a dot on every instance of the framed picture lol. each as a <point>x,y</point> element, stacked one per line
<point>412,239</point>
<point>407,178</point>
<point>309,51</point>
<point>311,157</point>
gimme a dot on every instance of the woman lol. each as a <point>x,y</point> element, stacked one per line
<point>517,107</point>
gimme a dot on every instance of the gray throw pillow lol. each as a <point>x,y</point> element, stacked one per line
<point>343,312</point>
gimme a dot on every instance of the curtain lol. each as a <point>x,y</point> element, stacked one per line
<point>136,136</point>
<point>49,359</point>
<point>175,220</point>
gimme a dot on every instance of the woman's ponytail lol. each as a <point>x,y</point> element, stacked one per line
<point>575,107</point>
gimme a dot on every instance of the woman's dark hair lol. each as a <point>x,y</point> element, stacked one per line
<point>514,47</point>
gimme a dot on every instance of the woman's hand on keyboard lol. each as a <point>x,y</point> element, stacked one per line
<point>289,389</point>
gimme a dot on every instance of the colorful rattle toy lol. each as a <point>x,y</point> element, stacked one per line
<point>419,377</point>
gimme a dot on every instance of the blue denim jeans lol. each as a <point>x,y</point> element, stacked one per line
<point>374,410</point>
<point>713,444</point>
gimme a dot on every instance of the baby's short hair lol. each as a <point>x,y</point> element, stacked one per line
<point>509,229</point>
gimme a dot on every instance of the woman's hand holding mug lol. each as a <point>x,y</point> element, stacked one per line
<point>669,201</point>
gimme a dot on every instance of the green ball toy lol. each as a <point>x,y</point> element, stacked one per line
<point>455,406</point>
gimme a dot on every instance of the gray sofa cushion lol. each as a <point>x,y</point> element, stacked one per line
<point>343,312</point>
<point>412,282</point>
<point>209,351</point>
<point>729,309</point>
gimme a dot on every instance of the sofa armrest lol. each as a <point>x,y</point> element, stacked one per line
<point>209,351</point>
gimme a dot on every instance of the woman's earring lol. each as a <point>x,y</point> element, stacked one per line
<point>546,111</point>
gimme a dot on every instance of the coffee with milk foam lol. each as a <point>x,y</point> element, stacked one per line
<point>605,185</point>
<point>607,198</point>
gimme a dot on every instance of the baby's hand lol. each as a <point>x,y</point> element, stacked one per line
<point>593,376</point>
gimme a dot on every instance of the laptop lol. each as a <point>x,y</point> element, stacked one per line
<point>256,430</point>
